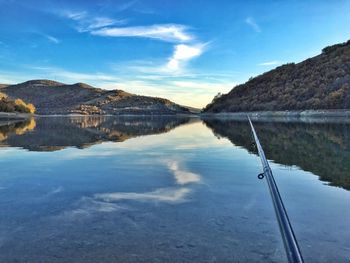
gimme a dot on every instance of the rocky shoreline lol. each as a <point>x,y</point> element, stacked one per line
<point>303,116</point>
<point>9,118</point>
<point>320,115</point>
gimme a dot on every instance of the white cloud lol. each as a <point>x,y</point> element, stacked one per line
<point>104,26</point>
<point>165,32</point>
<point>252,23</point>
<point>175,65</point>
<point>174,33</point>
<point>183,53</point>
<point>270,63</point>
<point>87,23</point>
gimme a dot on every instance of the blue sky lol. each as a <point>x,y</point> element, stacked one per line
<point>186,51</point>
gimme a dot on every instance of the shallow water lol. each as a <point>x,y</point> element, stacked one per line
<point>104,189</point>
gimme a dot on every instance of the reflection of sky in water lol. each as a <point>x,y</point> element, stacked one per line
<point>169,195</point>
<point>180,196</point>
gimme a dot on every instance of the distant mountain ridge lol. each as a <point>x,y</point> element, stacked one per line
<point>320,82</point>
<point>51,97</point>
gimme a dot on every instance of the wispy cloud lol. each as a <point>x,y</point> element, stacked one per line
<point>176,63</point>
<point>52,39</point>
<point>186,46</point>
<point>99,22</point>
<point>270,63</point>
<point>108,27</point>
<point>252,23</point>
<point>165,32</point>
<point>196,93</point>
<point>183,53</point>
<point>126,5</point>
<point>86,22</point>
<point>13,77</point>
<point>72,76</point>
<point>77,16</point>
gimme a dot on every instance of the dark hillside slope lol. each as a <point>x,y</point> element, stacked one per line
<point>50,97</point>
<point>321,82</point>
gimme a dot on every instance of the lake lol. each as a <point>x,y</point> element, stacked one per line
<point>162,189</point>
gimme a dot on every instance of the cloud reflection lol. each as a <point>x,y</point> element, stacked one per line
<point>56,190</point>
<point>88,206</point>
<point>181,175</point>
<point>167,195</point>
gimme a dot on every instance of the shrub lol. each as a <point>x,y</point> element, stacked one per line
<point>7,105</point>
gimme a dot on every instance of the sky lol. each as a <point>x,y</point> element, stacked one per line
<point>186,51</point>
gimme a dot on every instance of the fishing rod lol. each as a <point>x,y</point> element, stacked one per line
<point>290,243</point>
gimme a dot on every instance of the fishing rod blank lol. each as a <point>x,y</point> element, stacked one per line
<point>289,240</point>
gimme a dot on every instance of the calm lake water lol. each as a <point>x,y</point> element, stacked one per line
<point>103,189</point>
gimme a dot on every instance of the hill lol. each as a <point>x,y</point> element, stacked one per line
<point>51,97</point>
<point>321,82</point>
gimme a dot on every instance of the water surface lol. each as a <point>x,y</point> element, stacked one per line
<point>104,189</point>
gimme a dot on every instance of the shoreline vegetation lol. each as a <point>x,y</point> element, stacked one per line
<point>17,105</point>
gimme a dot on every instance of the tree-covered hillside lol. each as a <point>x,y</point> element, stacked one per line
<point>321,82</point>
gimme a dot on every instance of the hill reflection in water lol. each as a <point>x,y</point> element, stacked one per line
<point>16,128</point>
<point>55,133</point>
<point>179,196</point>
<point>320,148</point>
